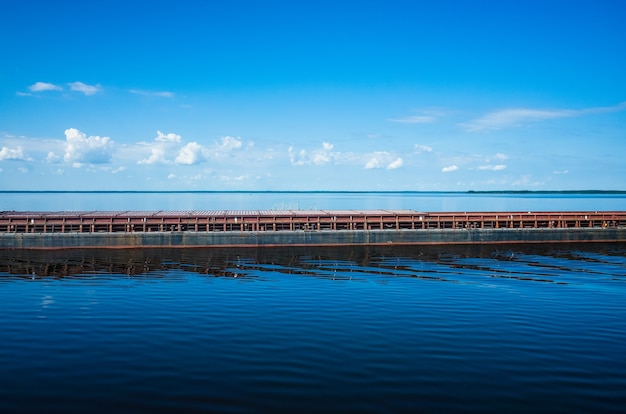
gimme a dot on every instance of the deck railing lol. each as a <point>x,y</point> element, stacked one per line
<point>296,220</point>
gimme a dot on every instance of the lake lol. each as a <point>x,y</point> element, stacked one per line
<point>208,200</point>
<point>507,328</point>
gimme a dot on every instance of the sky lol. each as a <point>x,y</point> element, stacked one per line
<point>326,95</point>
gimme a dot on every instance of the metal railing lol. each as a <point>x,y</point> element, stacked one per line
<point>297,220</point>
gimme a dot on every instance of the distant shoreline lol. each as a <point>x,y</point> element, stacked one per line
<point>479,192</point>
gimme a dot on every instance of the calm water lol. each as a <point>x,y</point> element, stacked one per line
<point>512,329</point>
<point>420,201</point>
<point>450,329</point>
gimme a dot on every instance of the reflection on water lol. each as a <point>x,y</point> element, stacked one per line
<point>361,329</point>
<point>541,263</point>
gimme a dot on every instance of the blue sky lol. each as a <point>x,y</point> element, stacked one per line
<point>283,95</point>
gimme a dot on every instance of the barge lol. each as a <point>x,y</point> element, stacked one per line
<point>253,228</point>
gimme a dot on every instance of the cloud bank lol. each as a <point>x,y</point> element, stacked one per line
<point>169,149</point>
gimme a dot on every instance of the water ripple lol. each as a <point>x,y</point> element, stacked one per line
<point>450,329</point>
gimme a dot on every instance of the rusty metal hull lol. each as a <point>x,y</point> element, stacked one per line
<point>186,239</point>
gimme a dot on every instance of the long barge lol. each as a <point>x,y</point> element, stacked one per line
<point>248,228</point>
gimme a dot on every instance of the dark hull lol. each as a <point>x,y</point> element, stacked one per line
<point>309,238</point>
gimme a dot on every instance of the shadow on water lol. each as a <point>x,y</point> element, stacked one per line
<point>541,261</point>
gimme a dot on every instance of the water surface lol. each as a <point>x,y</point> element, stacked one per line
<point>420,201</point>
<point>447,329</point>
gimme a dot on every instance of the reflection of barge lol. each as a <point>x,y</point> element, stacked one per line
<point>333,262</point>
<point>50,230</point>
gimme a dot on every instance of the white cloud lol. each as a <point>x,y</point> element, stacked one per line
<point>119,170</point>
<point>235,179</point>
<point>53,158</point>
<point>168,146</point>
<point>157,155</point>
<point>514,117</point>
<point>395,164</point>
<point>560,172</point>
<point>80,149</point>
<point>373,163</point>
<point>84,88</point>
<point>171,137</point>
<point>44,86</point>
<point>383,159</point>
<point>296,159</point>
<point>498,167</point>
<point>228,144</point>
<point>161,94</point>
<point>316,157</point>
<point>328,155</point>
<point>163,145</point>
<point>422,148</point>
<point>225,146</point>
<point>190,154</point>
<point>449,168</point>
<point>16,154</point>
<point>171,176</point>
<point>323,156</point>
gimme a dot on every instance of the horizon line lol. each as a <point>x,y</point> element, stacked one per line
<point>314,191</point>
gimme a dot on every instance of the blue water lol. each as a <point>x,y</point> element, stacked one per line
<point>420,201</point>
<point>507,329</point>
<point>517,328</point>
